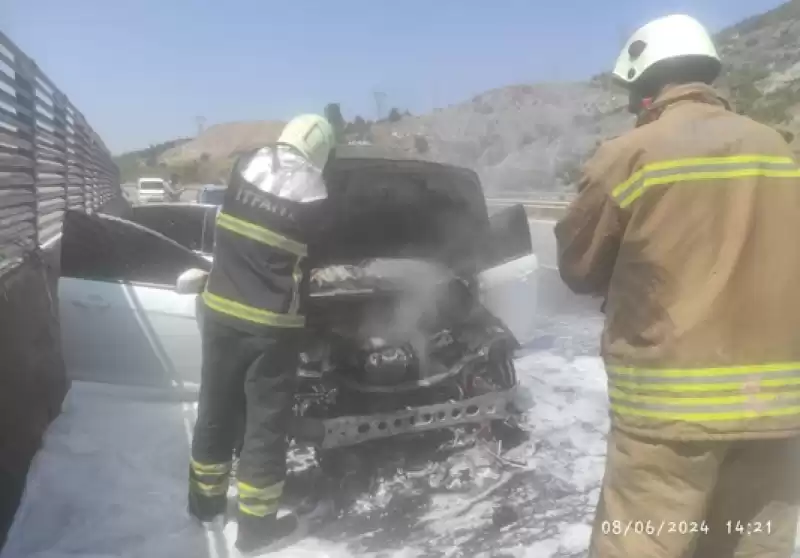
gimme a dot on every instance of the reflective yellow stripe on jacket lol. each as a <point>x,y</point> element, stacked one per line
<point>261,234</point>
<point>706,394</point>
<point>703,168</point>
<point>249,313</point>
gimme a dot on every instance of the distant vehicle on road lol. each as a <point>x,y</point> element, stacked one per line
<point>211,194</point>
<point>150,190</point>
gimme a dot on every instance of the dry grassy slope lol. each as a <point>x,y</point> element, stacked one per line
<point>224,141</point>
<point>534,137</point>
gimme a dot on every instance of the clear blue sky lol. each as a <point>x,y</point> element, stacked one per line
<point>142,70</point>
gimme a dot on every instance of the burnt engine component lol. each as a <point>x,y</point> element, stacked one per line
<point>386,365</point>
<point>390,337</point>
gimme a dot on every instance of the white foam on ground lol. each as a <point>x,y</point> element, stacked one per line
<point>111,478</point>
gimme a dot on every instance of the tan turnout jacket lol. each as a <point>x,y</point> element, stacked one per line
<point>689,225</point>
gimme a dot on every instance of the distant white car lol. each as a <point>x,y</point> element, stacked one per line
<point>150,190</point>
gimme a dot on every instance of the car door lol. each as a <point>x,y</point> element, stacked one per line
<point>189,224</point>
<point>121,319</point>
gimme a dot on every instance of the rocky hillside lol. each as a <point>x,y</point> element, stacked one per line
<point>206,158</point>
<point>525,138</point>
<point>763,55</point>
<point>225,141</point>
<point>519,138</point>
<point>535,137</point>
<point>145,162</point>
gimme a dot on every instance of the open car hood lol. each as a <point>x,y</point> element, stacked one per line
<point>382,204</point>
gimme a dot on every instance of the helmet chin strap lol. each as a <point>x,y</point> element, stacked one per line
<point>639,104</point>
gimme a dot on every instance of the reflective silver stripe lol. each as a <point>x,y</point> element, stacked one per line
<point>706,394</point>
<point>297,278</point>
<point>211,468</point>
<point>707,404</point>
<point>259,510</point>
<point>704,379</point>
<point>260,234</point>
<point>251,314</point>
<point>209,489</point>
<point>267,493</point>
<point>702,168</point>
<point>756,409</point>
<point>259,502</point>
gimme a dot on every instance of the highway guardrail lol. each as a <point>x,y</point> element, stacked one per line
<point>536,209</point>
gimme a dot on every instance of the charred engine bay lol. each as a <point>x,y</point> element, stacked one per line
<point>400,346</point>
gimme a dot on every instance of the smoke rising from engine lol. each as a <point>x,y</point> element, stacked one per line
<point>422,286</point>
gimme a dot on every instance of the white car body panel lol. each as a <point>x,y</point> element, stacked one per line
<point>510,292</point>
<point>148,335</point>
<point>150,197</point>
<point>128,333</point>
<point>118,331</point>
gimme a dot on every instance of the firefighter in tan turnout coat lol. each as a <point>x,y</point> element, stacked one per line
<point>689,227</point>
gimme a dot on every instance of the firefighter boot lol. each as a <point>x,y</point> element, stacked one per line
<point>266,534</point>
<point>207,508</point>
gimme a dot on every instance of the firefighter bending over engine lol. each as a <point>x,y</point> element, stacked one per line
<point>253,310</point>
<point>688,226</point>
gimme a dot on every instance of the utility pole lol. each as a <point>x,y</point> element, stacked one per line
<point>380,103</point>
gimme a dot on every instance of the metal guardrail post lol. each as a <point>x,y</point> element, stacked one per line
<point>25,82</point>
<point>82,156</point>
<point>61,131</point>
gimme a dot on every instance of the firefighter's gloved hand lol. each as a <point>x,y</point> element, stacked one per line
<point>191,281</point>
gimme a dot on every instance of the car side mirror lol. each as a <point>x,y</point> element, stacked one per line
<point>191,281</point>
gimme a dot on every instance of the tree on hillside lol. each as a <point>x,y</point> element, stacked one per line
<point>333,113</point>
<point>151,159</point>
<point>358,128</point>
<point>394,115</point>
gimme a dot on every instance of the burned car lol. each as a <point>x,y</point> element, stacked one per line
<point>418,299</point>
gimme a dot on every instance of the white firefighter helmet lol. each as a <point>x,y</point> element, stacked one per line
<point>666,38</point>
<point>311,135</point>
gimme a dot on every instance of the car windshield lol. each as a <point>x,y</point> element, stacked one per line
<point>212,196</point>
<point>151,185</point>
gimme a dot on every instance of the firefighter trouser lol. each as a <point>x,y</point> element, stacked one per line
<point>257,374</point>
<point>709,499</point>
